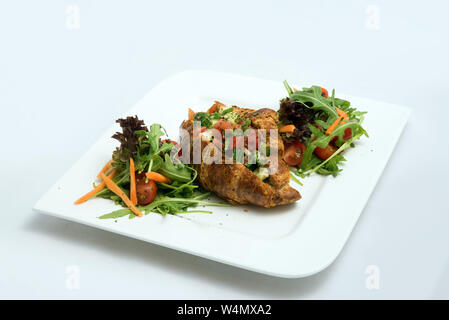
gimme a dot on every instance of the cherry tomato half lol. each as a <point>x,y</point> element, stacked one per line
<point>324,153</point>
<point>223,125</point>
<point>146,189</point>
<point>293,153</point>
<point>324,93</point>
<point>346,136</point>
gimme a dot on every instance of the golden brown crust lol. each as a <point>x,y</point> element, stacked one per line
<point>239,185</point>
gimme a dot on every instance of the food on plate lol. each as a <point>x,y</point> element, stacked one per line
<point>245,156</point>
<point>260,182</point>
<point>144,175</point>
<point>316,128</point>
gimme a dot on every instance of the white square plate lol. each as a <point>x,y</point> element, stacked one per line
<point>290,241</point>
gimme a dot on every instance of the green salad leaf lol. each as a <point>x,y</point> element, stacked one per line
<point>325,114</point>
<point>312,98</point>
<point>163,204</point>
<point>150,153</point>
<point>178,172</point>
<point>320,139</point>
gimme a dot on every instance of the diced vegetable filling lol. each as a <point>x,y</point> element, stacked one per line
<point>224,118</point>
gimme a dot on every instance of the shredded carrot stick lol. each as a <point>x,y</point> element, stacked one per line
<point>97,189</point>
<point>106,167</point>
<point>132,188</point>
<point>294,89</point>
<point>287,128</point>
<point>334,125</point>
<point>343,118</point>
<point>191,114</point>
<point>116,189</point>
<point>342,113</point>
<point>157,177</point>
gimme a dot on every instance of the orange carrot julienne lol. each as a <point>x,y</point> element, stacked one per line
<point>191,114</point>
<point>287,128</point>
<point>342,117</point>
<point>106,167</point>
<point>94,191</point>
<point>345,120</point>
<point>119,192</point>
<point>342,113</point>
<point>157,177</point>
<point>132,188</point>
<point>334,125</point>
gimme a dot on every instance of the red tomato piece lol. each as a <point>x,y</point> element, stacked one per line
<point>146,189</point>
<point>223,125</point>
<point>324,93</point>
<point>348,134</point>
<point>324,153</point>
<point>294,153</point>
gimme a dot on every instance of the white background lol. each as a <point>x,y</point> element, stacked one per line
<point>61,86</point>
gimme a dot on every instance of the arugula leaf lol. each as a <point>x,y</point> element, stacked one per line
<point>178,172</point>
<point>165,205</point>
<point>166,147</point>
<point>320,139</point>
<point>295,179</point>
<point>312,98</point>
<point>331,167</point>
<point>153,137</point>
<point>155,163</point>
<point>149,154</point>
<point>116,214</point>
<point>325,116</point>
<point>288,88</point>
<point>180,189</point>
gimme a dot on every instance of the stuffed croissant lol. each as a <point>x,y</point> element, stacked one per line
<point>231,167</point>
